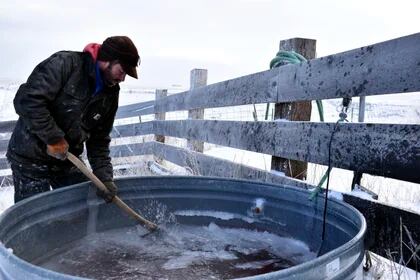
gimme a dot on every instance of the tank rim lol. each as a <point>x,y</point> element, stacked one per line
<point>317,261</point>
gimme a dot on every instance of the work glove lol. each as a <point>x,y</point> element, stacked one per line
<point>109,195</point>
<point>59,149</point>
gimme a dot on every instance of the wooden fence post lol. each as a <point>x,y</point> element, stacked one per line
<point>362,105</point>
<point>198,78</point>
<point>160,93</point>
<point>357,176</point>
<point>296,111</point>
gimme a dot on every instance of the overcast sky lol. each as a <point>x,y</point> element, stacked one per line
<point>230,38</point>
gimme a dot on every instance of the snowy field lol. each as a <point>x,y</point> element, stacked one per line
<point>401,108</point>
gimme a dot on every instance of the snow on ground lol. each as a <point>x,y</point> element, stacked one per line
<point>256,160</point>
<point>384,269</point>
<point>6,198</point>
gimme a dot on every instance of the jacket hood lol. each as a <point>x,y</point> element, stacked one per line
<point>93,49</point>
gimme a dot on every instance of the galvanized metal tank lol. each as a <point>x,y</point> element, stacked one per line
<point>39,224</point>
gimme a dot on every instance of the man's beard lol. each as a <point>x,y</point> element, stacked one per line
<point>107,77</point>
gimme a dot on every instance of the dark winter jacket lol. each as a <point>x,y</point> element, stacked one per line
<point>57,101</point>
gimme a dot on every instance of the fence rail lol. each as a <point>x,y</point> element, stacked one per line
<point>135,110</point>
<point>389,150</point>
<point>388,67</point>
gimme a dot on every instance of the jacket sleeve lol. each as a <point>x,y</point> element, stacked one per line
<point>97,148</point>
<point>33,97</point>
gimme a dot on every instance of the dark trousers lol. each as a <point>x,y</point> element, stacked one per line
<point>32,179</point>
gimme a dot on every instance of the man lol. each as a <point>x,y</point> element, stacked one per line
<point>69,100</point>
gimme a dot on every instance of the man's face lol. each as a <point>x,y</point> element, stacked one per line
<point>113,74</point>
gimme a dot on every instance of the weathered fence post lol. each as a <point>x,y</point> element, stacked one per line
<point>296,111</point>
<point>160,93</point>
<point>198,78</point>
<point>362,105</point>
<point>357,177</point>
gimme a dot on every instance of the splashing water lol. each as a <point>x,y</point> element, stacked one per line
<point>177,252</point>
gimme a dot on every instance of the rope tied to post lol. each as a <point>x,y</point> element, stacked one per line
<point>286,57</point>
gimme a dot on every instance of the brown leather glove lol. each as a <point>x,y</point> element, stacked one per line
<point>58,150</point>
<point>112,191</point>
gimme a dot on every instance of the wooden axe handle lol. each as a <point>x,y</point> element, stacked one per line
<point>82,167</point>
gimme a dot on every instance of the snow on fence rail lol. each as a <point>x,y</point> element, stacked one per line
<point>389,150</point>
<point>384,68</point>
